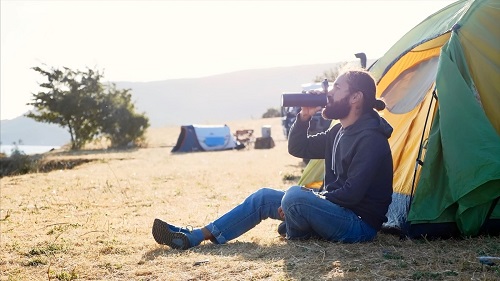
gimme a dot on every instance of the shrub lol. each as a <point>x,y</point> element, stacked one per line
<point>17,164</point>
<point>271,113</point>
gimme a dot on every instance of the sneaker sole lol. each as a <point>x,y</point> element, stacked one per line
<point>163,235</point>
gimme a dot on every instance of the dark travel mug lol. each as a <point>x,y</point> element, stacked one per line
<point>303,100</point>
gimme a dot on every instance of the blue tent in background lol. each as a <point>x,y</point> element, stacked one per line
<point>204,138</point>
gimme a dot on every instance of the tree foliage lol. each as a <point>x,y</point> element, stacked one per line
<point>271,112</point>
<point>332,73</point>
<point>78,101</point>
<point>119,121</point>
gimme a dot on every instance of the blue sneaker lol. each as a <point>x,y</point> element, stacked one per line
<point>172,236</point>
<point>174,228</point>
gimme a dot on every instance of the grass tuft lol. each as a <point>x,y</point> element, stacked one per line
<point>66,276</point>
<point>46,249</point>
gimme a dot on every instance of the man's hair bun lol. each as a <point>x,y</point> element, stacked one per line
<point>379,105</point>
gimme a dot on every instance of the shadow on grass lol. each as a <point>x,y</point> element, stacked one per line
<point>20,164</point>
<point>301,260</point>
<point>386,258</point>
<point>85,152</point>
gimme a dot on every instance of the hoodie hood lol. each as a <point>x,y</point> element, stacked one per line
<point>370,121</point>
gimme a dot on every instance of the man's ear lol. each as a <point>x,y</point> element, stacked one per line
<point>356,97</point>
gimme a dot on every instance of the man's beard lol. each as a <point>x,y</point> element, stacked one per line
<point>337,110</point>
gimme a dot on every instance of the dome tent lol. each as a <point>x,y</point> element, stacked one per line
<point>441,84</point>
<point>204,138</point>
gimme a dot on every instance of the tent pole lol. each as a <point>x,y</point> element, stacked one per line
<point>494,203</point>
<point>419,156</point>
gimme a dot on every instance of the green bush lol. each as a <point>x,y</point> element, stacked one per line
<point>271,113</point>
<point>17,164</point>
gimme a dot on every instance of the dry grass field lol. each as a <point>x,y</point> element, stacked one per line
<point>93,222</point>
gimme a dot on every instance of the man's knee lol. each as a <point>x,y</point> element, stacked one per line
<point>265,193</point>
<point>293,195</point>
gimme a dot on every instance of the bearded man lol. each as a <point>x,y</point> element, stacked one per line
<point>357,190</point>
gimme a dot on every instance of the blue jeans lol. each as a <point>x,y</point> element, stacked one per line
<point>306,216</point>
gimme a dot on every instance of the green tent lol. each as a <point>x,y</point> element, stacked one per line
<point>441,84</point>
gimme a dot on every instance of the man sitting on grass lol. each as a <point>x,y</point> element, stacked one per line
<point>357,191</point>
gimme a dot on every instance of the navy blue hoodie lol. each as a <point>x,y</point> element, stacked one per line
<point>359,176</point>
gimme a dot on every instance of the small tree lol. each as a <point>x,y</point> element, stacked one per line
<point>271,112</point>
<point>119,121</point>
<point>77,100</point>
<point>332,73</point>
<point>70,100</point>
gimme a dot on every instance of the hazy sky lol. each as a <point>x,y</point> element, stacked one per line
<point>159,40</point>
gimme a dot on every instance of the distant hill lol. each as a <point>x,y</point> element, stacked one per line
<point>214,99</point>
<point>31,132</point>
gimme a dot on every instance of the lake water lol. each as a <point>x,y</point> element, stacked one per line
<point>27,149</point>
